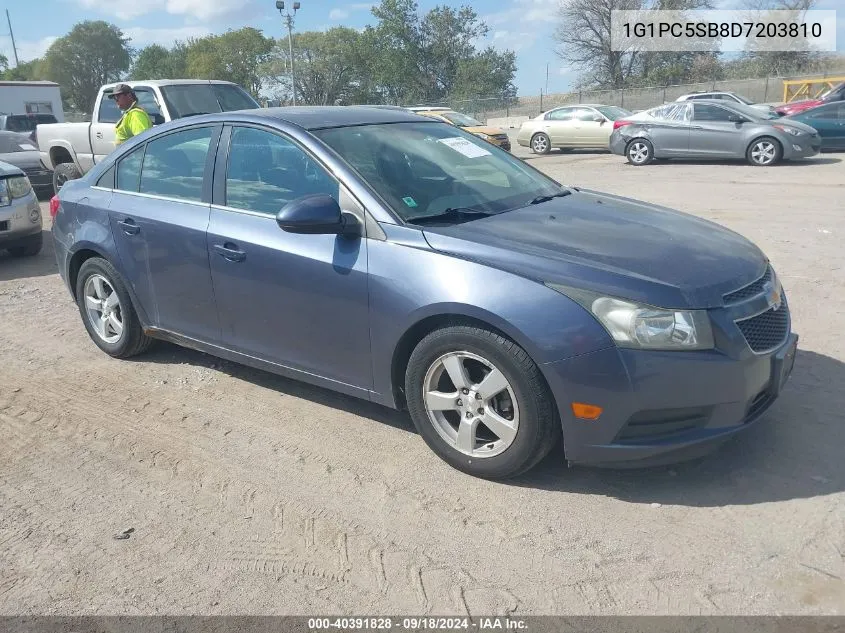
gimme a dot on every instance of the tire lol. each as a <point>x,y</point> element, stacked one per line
<point>764,152</point>
<point>525,403</point>
<point>62,173</point>
<point>639,152</point>
<point>31,249</point>
<point>131,341</point>
<point>541,143</point>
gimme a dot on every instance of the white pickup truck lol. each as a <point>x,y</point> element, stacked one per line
<point>69,150</point>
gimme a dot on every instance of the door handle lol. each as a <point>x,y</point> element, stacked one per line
<point>99,135</point>
<point>696,127</point>
<point>129,227</point>
<point>230,252</point>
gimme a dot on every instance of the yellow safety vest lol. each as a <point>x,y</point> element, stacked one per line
<point>134,121</point>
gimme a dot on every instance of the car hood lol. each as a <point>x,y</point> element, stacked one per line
<point>23,160</point>
<point>484,129</point>
<point>7,169</point>
<point>798,106</point>
<point>613,245</point>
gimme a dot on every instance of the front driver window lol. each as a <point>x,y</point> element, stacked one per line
<point>266,171</point>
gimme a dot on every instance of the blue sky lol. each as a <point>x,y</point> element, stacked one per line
<point>524,26</point>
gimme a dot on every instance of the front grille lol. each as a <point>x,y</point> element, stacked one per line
<point>766,331</point>
<point>663,424</point>
<point>4,225</point>
<point>752,289</point>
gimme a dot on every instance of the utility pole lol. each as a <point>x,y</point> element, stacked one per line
<point>280,5</point>
<point>547,79</point>
<point>14,48</point>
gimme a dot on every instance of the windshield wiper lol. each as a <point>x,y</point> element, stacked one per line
<point>560,194</point>
<point>452,213</point>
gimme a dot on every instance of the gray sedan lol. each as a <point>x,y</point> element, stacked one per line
<point>711,130</point>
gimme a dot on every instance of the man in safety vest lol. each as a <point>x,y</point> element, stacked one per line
<point>134,120</point>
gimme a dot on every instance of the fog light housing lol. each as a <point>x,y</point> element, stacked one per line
<point>35,215</point>
<point>797,148</point>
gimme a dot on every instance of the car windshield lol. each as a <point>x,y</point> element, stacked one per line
<point>832,92</point>
<point>27,122</point>
<point>13,143</point>
<point>424,169</point>
<point>753,113</point>
<point>461,120</point>
<point>190,99</point>
<point>612,112</point>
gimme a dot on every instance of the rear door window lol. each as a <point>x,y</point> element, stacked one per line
<point>174,165</point>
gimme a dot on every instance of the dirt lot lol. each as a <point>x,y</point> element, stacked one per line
<point>250,493</point>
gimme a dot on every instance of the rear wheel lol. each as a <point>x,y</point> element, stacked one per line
<point>107,310</point>
<point>541,143</point>
<point>62,173</point>
<point>764,152</point>
<point>480,402</point>
<point>639,152</point>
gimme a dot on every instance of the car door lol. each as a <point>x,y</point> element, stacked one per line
<point>159,217</point>
<point>669,129</point>
<point>829,121</point>
<point>102,129</point>
<point>560,127</point>
<point>712,133</point>
<point>591,128</point>
<point>296,300</point>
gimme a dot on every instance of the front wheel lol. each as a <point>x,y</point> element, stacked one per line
<point>639,152</point>
<point>764,152</point>
<point>62,173</point>
<point>480,402</point>
<point>107,310</point>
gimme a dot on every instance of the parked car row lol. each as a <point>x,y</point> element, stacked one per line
<point>699,125</point>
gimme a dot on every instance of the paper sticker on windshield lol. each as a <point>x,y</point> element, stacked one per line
<point>470,150</point>
<point>410,202</point>
<point>27,146</point>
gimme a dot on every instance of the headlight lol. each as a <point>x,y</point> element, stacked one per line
<point>640,326</point>
<point>789,130</point>
<point>19,186</point>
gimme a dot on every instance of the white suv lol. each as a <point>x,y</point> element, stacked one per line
<point>725,96</point>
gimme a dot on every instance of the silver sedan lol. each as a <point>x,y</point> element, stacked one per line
<point>711,130</point>
<point>20,214</point>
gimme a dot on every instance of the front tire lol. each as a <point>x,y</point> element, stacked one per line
<point>639,152</point>
<point>480,402</point>
<point>764,152</point>
<point>62,173</point>
<point>107,310</point>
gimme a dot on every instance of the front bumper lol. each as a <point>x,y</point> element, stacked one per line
<point>802,147</point>
<point>16,227</point>
<point>663,407</point>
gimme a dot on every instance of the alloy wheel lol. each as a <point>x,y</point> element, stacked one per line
<point>471,404</point>
<point>103,308</point>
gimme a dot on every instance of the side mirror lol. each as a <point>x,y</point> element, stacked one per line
<point>316,214</point>
<point>735,118</point>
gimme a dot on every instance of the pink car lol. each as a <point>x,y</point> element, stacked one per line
<point>834,94</point>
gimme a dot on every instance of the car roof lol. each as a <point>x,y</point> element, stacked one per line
<point>166,82</point>
<point>313,117</point>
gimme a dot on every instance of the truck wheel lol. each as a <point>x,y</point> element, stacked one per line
<point>62,173</point>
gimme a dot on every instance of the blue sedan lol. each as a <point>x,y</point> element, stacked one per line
<point>401,260</point>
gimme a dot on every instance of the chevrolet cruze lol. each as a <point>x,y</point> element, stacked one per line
<point>404,261</point>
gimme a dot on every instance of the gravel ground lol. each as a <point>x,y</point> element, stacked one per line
<point>249,493</point>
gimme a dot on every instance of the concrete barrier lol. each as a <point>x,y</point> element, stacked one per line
<point>507,122</point>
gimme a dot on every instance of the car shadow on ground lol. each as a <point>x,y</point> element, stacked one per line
<point>800,162</point>
<point>795,451</point>
<point>172,354</point>
<point>39,265</point>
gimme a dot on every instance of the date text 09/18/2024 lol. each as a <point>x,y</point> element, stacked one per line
<point>417,623</point>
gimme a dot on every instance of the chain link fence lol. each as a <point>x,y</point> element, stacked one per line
<point>760,90</point>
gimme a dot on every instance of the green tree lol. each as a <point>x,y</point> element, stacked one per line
<point>92,54</point>
<point>327,66</point>
<point>233,56</point>
<point>157,62</point>
<point>487,75</point>
<point>32,70</point>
